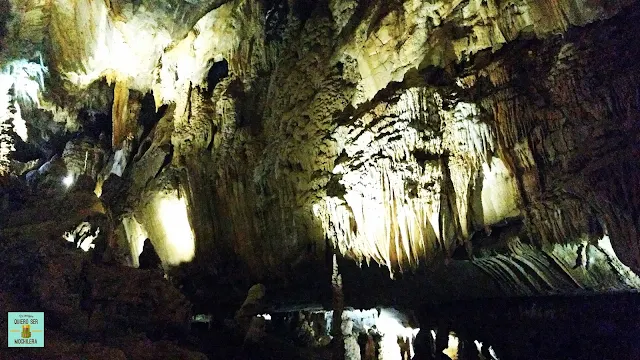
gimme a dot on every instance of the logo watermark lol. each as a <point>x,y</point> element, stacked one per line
<point>26,329</point>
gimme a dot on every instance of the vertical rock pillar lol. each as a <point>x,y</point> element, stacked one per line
<point>125,112</point>
<point>338,308</point>
<point>118,113</point>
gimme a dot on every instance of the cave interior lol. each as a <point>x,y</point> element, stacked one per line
<point>321,179</point>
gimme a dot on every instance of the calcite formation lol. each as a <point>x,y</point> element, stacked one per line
<point>408,134</point>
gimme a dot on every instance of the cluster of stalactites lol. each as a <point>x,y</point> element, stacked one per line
<point>392,209</point>
<point>395,208</point>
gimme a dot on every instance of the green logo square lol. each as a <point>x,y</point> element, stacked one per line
<point>26,329</point>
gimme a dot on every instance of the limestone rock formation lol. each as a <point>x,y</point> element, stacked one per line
<point>468,148</point>
<point>82,294</point>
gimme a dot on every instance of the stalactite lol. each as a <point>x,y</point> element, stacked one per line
<point>120,114</point>
<point>390,228</point>
<point>411,180</point>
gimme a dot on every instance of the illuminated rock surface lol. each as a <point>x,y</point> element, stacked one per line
<point>445,150</point>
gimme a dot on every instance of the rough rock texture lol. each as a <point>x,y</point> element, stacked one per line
<point>463,155</point>
<point>89,304</point>
<point>463,142</point>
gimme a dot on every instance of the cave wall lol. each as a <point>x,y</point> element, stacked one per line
<point>499,136</point>
<point>399,142</point>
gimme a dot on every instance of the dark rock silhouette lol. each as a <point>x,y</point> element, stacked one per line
<point>149,258</point>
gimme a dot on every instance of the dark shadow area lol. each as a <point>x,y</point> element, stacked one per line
<point>149,116</point>
<point>542,328</point>
<point>218,71</point>
<point>93,123</point>
<point>275,19</point>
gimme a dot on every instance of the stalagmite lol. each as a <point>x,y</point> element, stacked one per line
<point>337,332</point>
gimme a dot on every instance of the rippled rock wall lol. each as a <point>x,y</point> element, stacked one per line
<point>492,139</point>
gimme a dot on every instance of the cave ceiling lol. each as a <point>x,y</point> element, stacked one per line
<point>480,147</point>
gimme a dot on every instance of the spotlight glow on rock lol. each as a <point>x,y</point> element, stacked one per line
<point>68,180</point>
<point>179,237</point>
